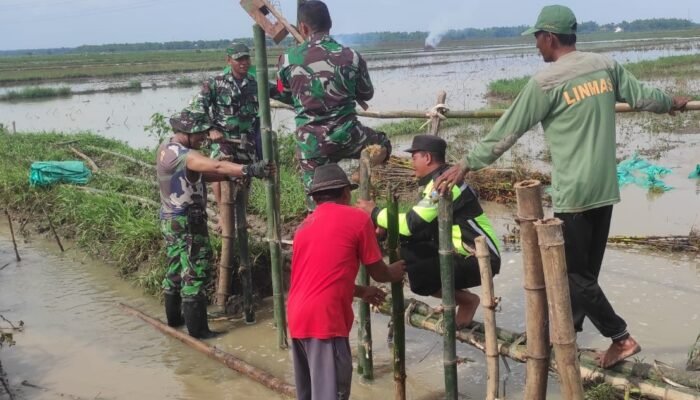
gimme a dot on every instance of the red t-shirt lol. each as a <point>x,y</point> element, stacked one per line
<point>328,248</point>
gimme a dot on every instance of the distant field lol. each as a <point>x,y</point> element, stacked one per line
<point>36,69</point>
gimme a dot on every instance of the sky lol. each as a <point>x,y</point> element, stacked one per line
<point>33,24</point>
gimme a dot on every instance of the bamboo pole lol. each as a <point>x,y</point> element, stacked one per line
<point>53,231</point>
<point>488,303</point>
<point>397,304</point>
<point>463,114</point>
<point>435,120</point>
<point>122,156</point>
<point>271,187</point>
<point>510,345</point>
<point>232,362</point>
<point>551,241</point>
<point>529,198</point>
<point>365,362</point>
<point>448,295</point>
<point>226,223</point>
<point>244,264</point>
<point>12,233</point>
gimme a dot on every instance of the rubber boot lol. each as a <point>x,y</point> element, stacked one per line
<point>195,311</point>
<point>173,309</point>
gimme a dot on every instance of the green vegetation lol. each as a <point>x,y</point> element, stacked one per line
<point>134,85</point>
<point>681,67</point>
<point>29,93</point>
<point>185,82</point>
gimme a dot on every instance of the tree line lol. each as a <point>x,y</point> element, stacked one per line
<point>641,25</point>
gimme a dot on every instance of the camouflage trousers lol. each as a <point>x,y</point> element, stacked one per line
<point>189,256</point>
<point>315,147</point>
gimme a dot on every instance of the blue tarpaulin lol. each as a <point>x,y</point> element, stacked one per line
<point>45,173</point>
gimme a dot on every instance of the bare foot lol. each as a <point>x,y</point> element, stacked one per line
<point>618,351</point>
<point>467,303</point>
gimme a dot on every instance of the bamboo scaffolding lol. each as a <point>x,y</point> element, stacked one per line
<point>226,222</point>
<point>488,303</point>
<point>12,233</point>
<point>551,239</point>
<point>448,295</point>
<point>244,264</point>
<point>529,198</point>
<point>272,187</point>
<point>232,362</point>
<point>365,363</point>
<point>462,114</point>
<point>511,344</point>
<point>397,304</point>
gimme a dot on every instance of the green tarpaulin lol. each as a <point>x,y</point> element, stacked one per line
<point>640,172</point>
<point>45,173</point>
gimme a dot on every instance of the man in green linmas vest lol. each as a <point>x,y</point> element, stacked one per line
<point>574,100</point>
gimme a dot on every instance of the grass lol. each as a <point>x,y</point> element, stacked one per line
<point>185,82</point>
<point>413,126</point>
<point>681,67</point>
<point>30,93</point>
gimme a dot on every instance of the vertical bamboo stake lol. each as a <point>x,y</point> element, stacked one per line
<point>397,301</point>
<point>488,303</point>
<point>271,187</point>
<point>365,362</point>
<point>53,230</point>
<point>551,240</point>
<point>448,295</point>
<point>14,127</point>
<point>435,121</point>
<point>529,197</point>
<point>12,233</point>
<point>226,216</point>
<point>244,265</point>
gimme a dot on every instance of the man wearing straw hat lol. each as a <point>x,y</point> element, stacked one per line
<point>574,100</point>
<point>418,230</point>
<point>328,248</point>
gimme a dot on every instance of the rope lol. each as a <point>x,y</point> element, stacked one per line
<point>437,111</point>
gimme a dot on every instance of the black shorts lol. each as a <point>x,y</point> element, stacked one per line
<point>423,268</point>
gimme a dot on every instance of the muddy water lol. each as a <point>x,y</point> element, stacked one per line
<point>77,342</point>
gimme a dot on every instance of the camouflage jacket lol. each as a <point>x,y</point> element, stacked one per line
<point>232,105</point>
<point>324,79</point>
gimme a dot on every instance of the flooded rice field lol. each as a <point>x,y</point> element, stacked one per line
<point>408,80</point>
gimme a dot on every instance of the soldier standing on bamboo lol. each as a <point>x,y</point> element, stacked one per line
<point>231,100</point>
<point>324,80</point>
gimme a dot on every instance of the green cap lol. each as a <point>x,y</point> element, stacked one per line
<point>187,121</point>
<point>555,19</point>
<point>238,50</point>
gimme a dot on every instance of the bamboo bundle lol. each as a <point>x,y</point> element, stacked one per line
<point>643,376</point>
<point>226,222</point>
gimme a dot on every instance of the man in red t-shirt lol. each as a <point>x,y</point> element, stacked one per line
<point>328,248</point>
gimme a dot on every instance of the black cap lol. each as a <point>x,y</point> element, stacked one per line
<point>429,143</point>
<point>329,176</point>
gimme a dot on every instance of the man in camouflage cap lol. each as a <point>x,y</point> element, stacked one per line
<point>324,81</point>
<point>182,172</point>
<point>231,101</point>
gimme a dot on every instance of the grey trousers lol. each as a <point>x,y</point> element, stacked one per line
<point>322,368</point>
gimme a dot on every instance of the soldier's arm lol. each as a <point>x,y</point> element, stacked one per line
<point>364,89</point>
<point>199,163</point>
<point>284,91</point>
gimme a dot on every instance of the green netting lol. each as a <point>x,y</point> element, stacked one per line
<point>638,171</point>
<point>45,173</point>
<point>695,174</point>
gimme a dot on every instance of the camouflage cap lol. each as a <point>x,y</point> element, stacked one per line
<point>187,121</point>
<point>555,19</point>
<point>237,50</point>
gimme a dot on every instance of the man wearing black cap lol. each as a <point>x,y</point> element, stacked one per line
<point>418,231</point>
<point>574,100</point>
<point>328,248</point>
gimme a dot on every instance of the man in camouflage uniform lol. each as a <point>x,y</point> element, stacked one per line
<point>324,80</point>
<point>182,172</point>
<point>231,100</point>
